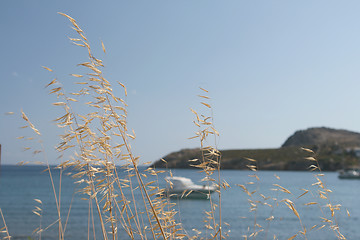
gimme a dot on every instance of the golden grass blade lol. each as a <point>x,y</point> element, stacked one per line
<point>291,238</point>
<point>193,160</point>
<point>24,116</point>
<point>306,191</point>
<point>348,213</point>
<point>204,90</point>
<point>36,213</point>
<point>123,87</point>
<point>76,75</point>
<point>75,39</point>
<point>59,104</point>
<point>47,68</point>
<point>205,104</point>
<point>65,15</point>
<point>103,46</point>
<point>203,96</point>
<point>310,159</point>
<point>290,204</point>
<point>52,82</point>
<point>30,124</point>
<point>310,203</point>
<point>321,227</point>
<point>193,137</point>
<point>54,90</point>
<point>250,159</point>
<point>307,150</point>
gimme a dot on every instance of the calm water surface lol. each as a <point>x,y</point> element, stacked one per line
<point>20,185</point>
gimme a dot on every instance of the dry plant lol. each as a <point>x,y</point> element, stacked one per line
<point>322,193</point>
<point>56,192</point>
<point>320,199</point>
<point>4,229</point>
<point>209,163</point>
<point>99,139</point>
<point>38,211</point>
<point>252,200</point>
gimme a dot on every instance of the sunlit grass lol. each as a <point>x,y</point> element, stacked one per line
<point>96,139</point>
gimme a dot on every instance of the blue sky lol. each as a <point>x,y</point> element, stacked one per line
<point>271,67</point>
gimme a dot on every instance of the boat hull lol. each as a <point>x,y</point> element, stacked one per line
<point>181,187</point>
<point>349,174</point>
<point>189,194</point>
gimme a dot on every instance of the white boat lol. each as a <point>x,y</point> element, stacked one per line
<point>350,173</point>
<point>181,187</point>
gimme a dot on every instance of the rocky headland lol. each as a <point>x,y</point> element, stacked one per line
<point>335,149</point>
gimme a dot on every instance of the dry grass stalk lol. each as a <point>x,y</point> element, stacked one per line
<point>38,211</point>
<point>94,136</point>
<point>323,195</point>
<point>99,138</point>
<point>5,228</point>
<point>210,164</point>
<point>56,195</point>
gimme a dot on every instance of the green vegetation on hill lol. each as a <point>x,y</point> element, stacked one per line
<point>285,158</point>
<point>335,150</point>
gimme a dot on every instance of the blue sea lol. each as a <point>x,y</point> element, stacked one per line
<point>19,186</point>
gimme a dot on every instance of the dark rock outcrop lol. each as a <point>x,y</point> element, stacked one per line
<point>323,136</point>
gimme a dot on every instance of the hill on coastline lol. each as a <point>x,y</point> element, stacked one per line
<point>323,136</point>
<point>335,149</point>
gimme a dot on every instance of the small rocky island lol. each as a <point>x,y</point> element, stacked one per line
<point>335,149</point>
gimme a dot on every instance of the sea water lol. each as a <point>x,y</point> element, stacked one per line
<point>264,211</point>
